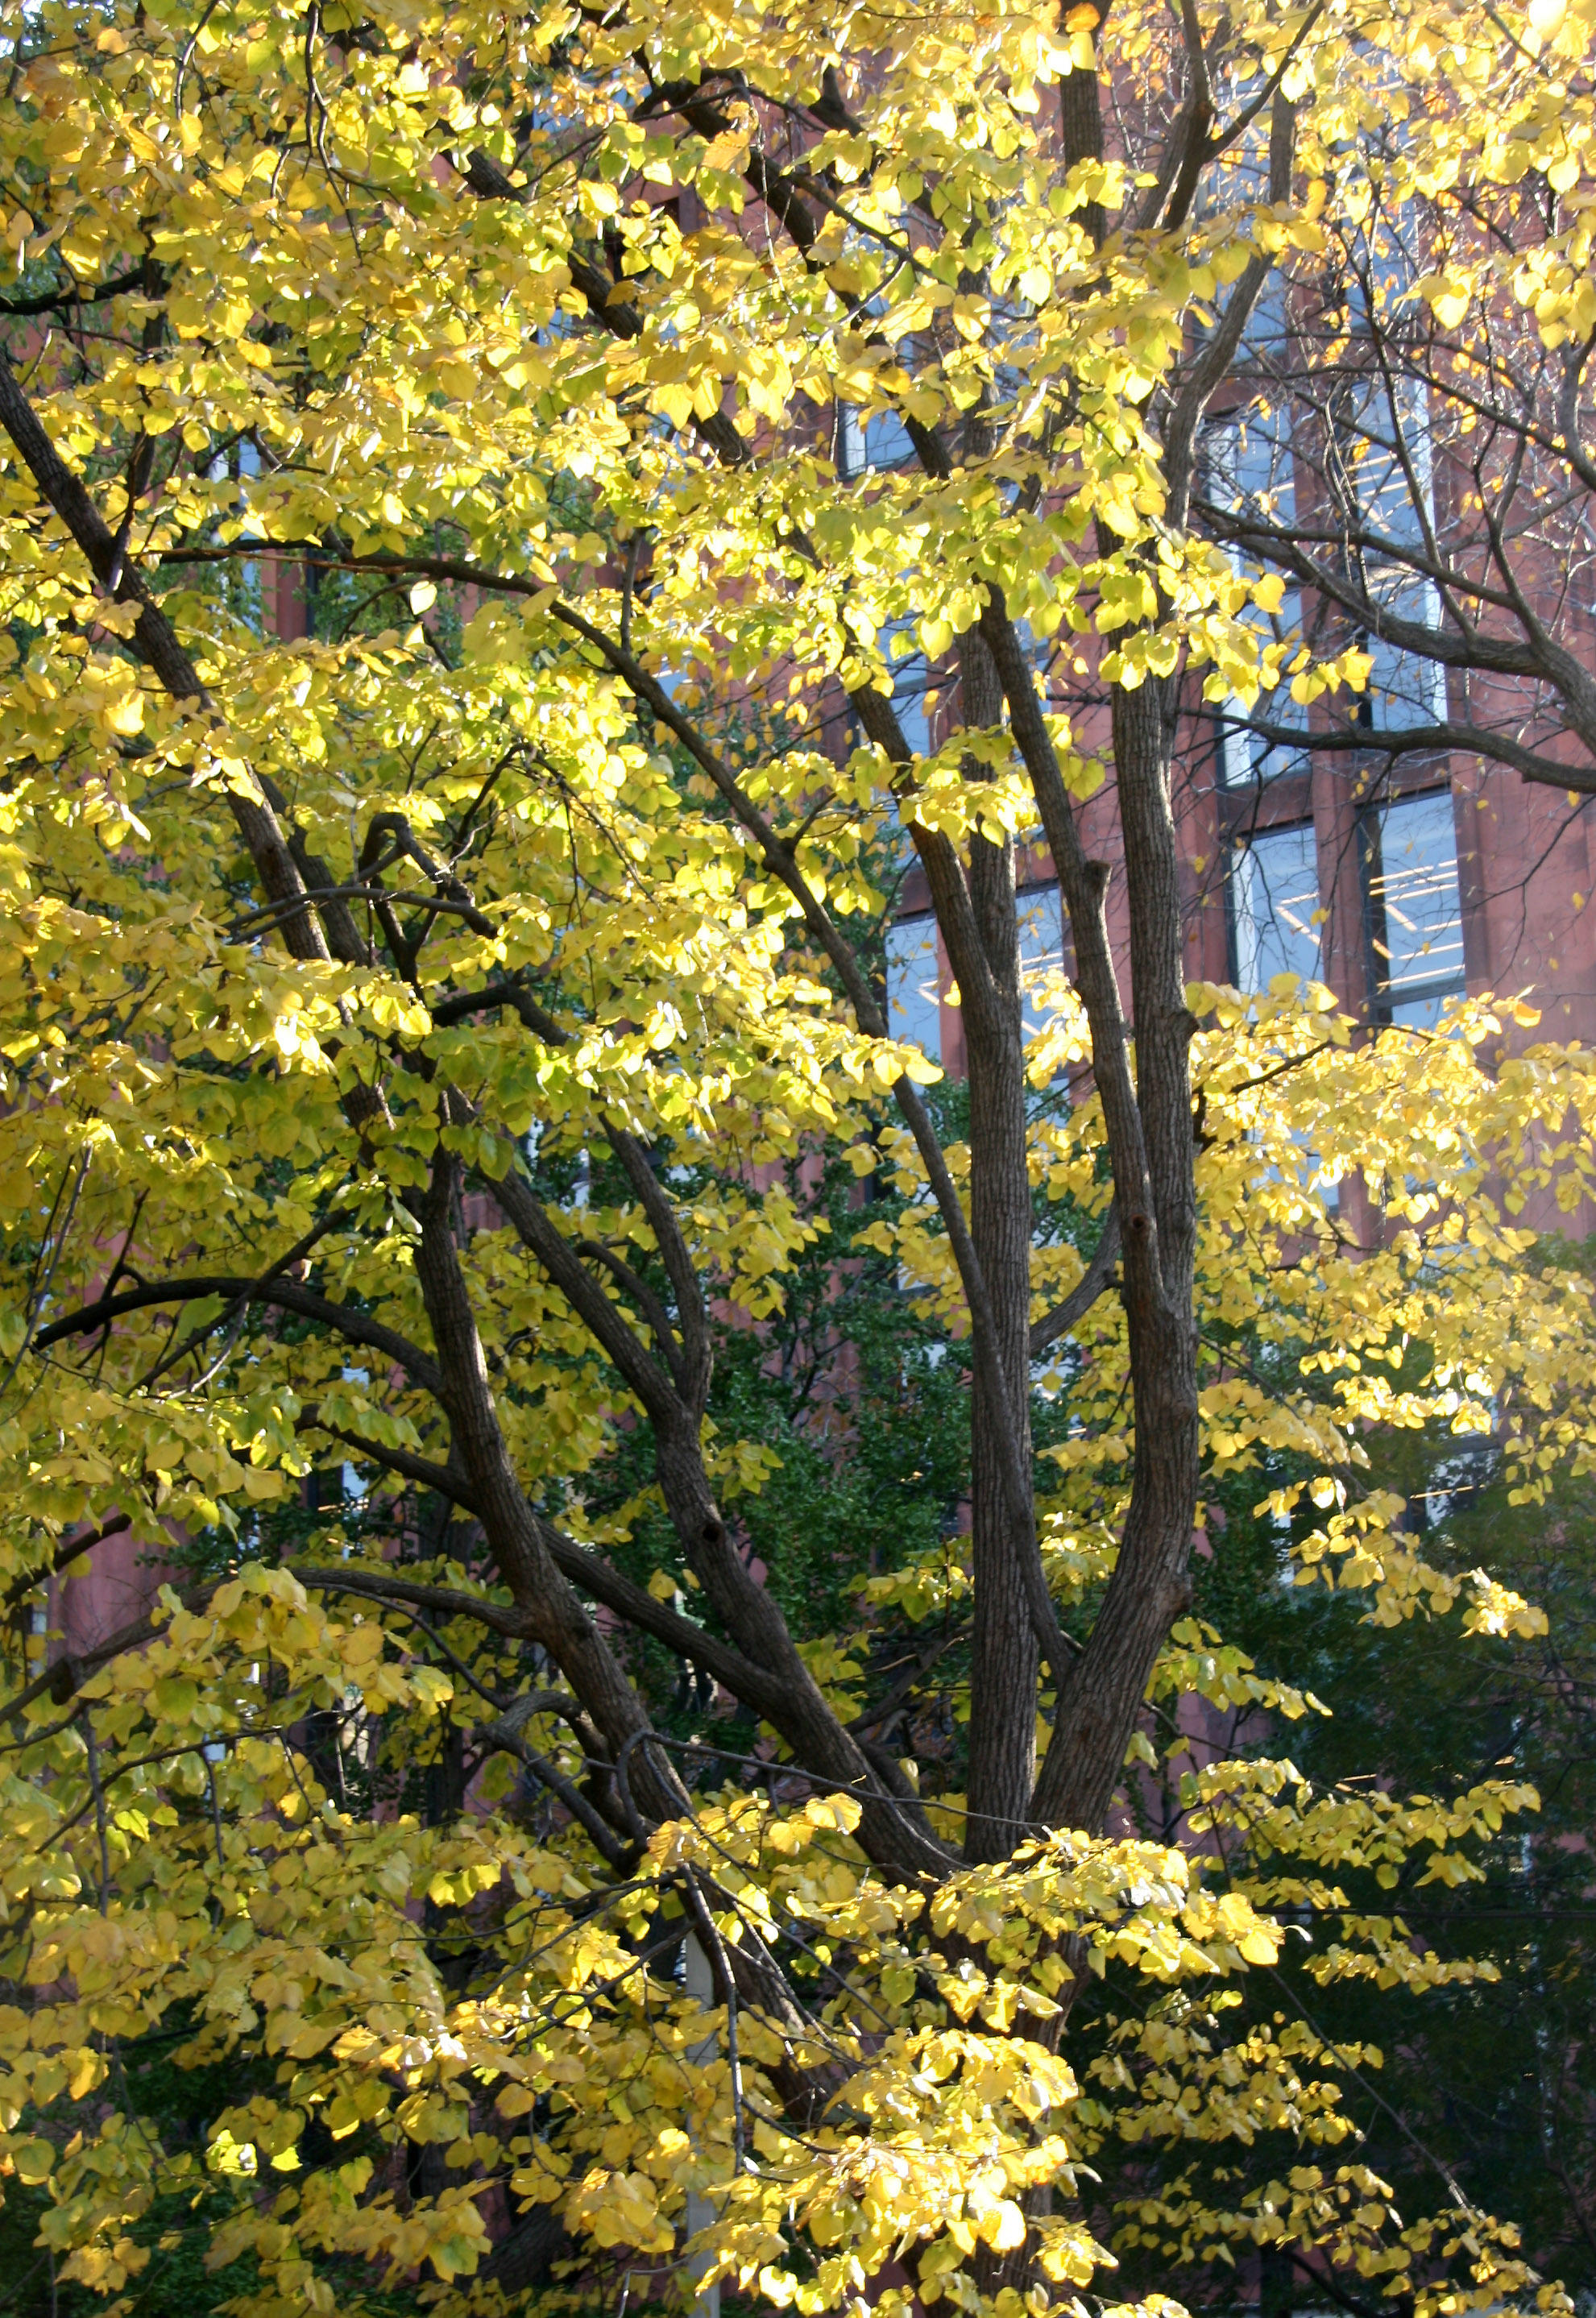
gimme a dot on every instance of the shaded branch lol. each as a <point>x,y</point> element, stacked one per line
<point>505,1733</point>
<point>280,862</point>
<point>68,1552</point>
<point>49,302</point>
<point>443,1601</point>
<point>1085,1293</point>
<point>287,1295</point>
<point>458,1008</point>
<point>631,1283</point>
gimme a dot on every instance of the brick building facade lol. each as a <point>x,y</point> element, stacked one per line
<point>1399,887</point>
<point>1457,879</point>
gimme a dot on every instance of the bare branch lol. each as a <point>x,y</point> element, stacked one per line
<point>1442,740</point>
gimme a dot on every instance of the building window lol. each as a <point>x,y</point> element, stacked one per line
<point>876,445</point>
<point>240,583</point>
<point>1381,476</point>
<point>867,446</point>
<point>1275,910</point>
<point>911,683</point>
<point>914,984</point>
<point>1413,909</point>
<point>1041,952</point>
<point>1250,471</point>
<point>1405,689</point>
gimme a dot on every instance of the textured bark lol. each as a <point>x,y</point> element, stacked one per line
<point>554,1614</point>
<point>1149,1587</point>
<point>1004,1651</point>
<point>893,1828</point>
<point>1148,1122</point>
<point>1081,132</point>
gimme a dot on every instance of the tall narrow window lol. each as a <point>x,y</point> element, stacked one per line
<point>1379,475</point>
<point>240,583</point>
<point>1249,472</point>
<point>1382,479</point>
<point>914,984</point>
<point>912,684</point>
<point>1274,911</point>
<point>874,445</point>
<point>1040,951</point>
<point>1413,909</point>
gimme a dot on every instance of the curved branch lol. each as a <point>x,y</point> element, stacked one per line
<point>48,301</point>
<point>465,1003</point>
<point>67,1550</point>
<point>1534,654</point>
<point>282,1267</point>
<point>426,1474</point>
<point>1085,1293</point>
<point>505,1734</point>
<point>287,1295</point>
<point>608,1325</point>
<point>1214,364</point>
<point>631,1283</point>
<point>444,1601</point>
<point>64,1677</point>
<point>693,1370</point>
<point>588,1570</point>
<point>1448,737</point>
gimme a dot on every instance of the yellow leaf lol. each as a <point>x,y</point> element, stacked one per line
<point>125,712</point>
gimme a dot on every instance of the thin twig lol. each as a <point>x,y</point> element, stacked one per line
<point>722,1965</point>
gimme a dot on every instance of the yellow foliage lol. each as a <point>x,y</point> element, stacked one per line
<point>317,338</point>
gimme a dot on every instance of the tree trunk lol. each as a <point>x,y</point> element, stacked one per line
<point>1148,1587</point>
<point>1003,1650</point>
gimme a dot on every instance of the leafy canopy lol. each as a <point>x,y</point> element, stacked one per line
<point>550,391</point>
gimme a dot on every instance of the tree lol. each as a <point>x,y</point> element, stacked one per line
<point>1487,2075</point>
<point>417,1055</point>
<point>1431,375</point>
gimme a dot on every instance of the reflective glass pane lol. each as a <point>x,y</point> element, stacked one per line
<point>1250,467</point>
<point>1041,949</point>
<point>879,442</point>
<point>1274,890</point>
<point>1381,474</point>
<point>914,983</point>
<point>911,682</point>
<point>1404,688</point>
<point>1381,467</point>
<point>1415,911</point>
<point>1384,269</point>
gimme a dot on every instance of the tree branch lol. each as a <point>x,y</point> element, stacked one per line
<point>1446,739</point>
<point>157,643</point>
<point>287,1295</point>
<point>68,1552</point>
<point>1085,1293</point>
<point>48,301</point>
<point>443,1601</point>
<point>505,1733</point>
